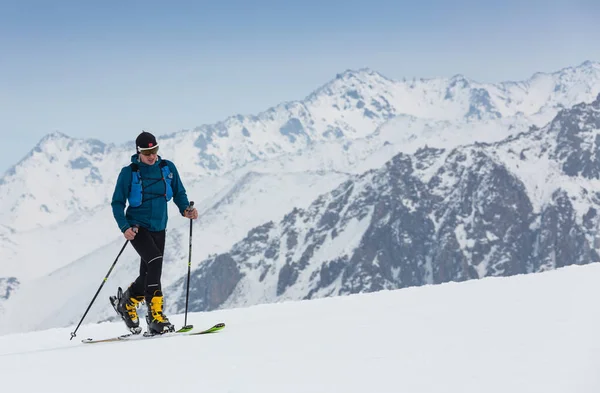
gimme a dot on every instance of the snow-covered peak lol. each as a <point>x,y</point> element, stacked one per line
<point>57,143</point>
<point>588,68</point>
<point>63,176</point>
<point>542,95</point>
<point>54,136</point>
<point>459,78</point>
<point>349,80</point>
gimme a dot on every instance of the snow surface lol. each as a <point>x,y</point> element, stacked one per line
<point>528,333</point>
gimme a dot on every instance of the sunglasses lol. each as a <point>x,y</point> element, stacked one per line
<point>149,152</point>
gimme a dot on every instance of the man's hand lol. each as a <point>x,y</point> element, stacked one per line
<point>130,233</point>
<point>191,213</point>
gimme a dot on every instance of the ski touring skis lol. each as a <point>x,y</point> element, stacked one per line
<point>185,331</point>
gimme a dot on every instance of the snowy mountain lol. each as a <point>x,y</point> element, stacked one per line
<point>62,176</point>
<point>526,204</point>
<point>250,170</point>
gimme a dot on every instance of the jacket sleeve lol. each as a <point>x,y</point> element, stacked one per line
<point>119,198</point>
<point>179,194</point>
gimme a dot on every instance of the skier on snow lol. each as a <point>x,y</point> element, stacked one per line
<point>147,184</point>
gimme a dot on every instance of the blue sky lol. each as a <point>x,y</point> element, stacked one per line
<point>109,69</point>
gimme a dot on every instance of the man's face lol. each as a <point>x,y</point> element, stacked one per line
<point>149,157</point>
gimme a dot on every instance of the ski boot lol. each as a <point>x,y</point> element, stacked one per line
<point>126,306</point>
<point>158,323</point>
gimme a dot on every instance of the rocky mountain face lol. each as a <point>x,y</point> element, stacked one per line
<point>526,204</point>
<point>7,286</point>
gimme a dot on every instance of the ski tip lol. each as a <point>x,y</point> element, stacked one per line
<point>186,328</point>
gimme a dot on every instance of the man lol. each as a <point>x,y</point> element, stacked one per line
<point>147,184</point>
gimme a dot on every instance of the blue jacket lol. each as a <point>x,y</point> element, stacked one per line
<point>152,213</point>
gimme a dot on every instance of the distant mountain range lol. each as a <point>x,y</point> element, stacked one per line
<point>366,184</point>
<point>526,204</point>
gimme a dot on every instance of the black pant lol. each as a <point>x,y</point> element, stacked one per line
<point>151,247</point>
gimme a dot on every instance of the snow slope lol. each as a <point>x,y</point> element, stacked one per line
<point>529,333</point>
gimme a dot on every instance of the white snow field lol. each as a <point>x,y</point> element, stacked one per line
<point>528,333</point>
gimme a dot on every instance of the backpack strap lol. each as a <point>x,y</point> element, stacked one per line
<point>137,195</point>
<point>168,178</point>
<point>136,191</point>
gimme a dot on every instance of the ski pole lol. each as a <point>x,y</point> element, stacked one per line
<point>101,285</point>
<point>187,292</point>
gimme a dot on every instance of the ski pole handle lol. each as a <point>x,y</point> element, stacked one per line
<point>189,208</point>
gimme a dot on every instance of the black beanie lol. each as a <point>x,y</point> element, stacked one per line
<point>145,141</point>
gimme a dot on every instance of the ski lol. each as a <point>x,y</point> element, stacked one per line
<point>185,331</point>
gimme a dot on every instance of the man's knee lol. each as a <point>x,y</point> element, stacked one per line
<point>155,259</point>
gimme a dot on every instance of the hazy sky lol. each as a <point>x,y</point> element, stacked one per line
<point>108,69</point>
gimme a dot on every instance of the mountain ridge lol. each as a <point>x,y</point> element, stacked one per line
<point>475,217</point>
